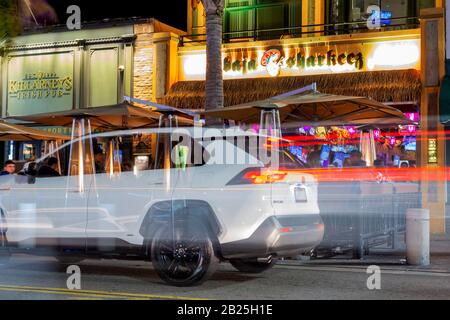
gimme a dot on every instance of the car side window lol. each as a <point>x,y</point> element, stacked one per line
<point>125,153</point>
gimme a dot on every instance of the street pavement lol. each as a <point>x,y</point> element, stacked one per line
<point>29,277</point>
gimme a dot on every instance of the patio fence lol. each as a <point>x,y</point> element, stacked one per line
<point>359,216</point>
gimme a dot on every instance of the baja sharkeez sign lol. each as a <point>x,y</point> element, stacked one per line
<point>290,60</point>
<point>40,83</point>
<point>273,60</point>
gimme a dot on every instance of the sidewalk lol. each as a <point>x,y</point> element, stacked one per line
<point>391,259</point>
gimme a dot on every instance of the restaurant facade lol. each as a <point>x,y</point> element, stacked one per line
<point>271,47</point>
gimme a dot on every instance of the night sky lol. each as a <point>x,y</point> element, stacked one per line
<point>172,12</point>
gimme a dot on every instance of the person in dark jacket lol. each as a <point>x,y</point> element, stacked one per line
<point>356,160</point>
<point>50,169</point>
<point>9,168</point>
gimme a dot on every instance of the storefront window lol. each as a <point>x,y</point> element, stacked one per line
<point>261,19</point>
<point>342,147</point>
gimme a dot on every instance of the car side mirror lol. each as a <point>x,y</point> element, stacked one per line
<point>31,179</point>
<point>25,179</point>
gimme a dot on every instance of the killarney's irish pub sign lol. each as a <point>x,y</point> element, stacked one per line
<point>40,83</point>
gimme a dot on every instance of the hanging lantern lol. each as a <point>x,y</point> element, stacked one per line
<point>351,130</point>
<point>393,141</point>
<point>321,133</point>
<point>255,128</point>
<point>376,134</point>
<point>411,129</point>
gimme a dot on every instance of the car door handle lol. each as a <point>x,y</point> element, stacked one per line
<point>5,189</point>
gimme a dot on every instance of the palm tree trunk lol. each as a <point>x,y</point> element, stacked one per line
<point>214,77</point>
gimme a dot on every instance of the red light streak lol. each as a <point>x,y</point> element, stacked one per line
<point>374,174</point>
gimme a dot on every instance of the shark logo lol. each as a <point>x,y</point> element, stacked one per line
<point>272,60</point>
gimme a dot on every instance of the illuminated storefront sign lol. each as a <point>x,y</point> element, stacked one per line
<point>40,83</point>
<point>273,60</point>
<point>432,151</point>
<point>306,60</point>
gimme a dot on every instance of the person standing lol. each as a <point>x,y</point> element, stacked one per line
<point>9,168</point>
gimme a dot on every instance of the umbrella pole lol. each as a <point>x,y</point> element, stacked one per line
<point>81,153</point>
<point>270,126</point>
<point>71,153</point>
<point>52,147</point>
<point>82,134</point>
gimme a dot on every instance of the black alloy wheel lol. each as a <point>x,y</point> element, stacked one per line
<point>183,253</point>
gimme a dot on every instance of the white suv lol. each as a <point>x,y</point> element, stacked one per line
<point>212,201</point>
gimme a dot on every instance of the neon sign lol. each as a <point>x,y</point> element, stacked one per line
<point>274,60</point>
<point>252,61</point>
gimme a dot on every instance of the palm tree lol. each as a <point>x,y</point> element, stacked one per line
<point>214,77</point>
<point>9,19</point>
<point>17,14</point>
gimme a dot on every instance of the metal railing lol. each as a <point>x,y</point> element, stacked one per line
<point>358,222</point>
<point>403,23</point>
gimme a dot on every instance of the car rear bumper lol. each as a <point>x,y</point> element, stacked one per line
<point>279,236</point>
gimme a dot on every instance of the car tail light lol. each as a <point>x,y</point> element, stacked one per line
<point>258,176</point>
<point>286,230</point>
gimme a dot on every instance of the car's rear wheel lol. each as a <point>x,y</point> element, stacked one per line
<point>183,253</point>
<point>252,265</point>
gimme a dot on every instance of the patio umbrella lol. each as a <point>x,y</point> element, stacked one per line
<point>315,109</point>
<point>15,132</point>
<point>121,116</point>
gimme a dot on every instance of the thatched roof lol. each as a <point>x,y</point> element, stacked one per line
<point>382,86</point>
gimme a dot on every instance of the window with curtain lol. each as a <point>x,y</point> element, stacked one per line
<point>261,19</point>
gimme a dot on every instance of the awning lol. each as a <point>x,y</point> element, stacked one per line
<point>15,132</point>
<point>384,86</point>
<point>444,99</point>
<point>121,116</point>
<point>315,109</point>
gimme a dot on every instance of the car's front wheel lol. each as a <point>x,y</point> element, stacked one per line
<point>252,265</point>
<point>183,253</point>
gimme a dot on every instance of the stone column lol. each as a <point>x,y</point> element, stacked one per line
<point>165,61</point>
<point>143,62</point>
<point>432,148</point>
